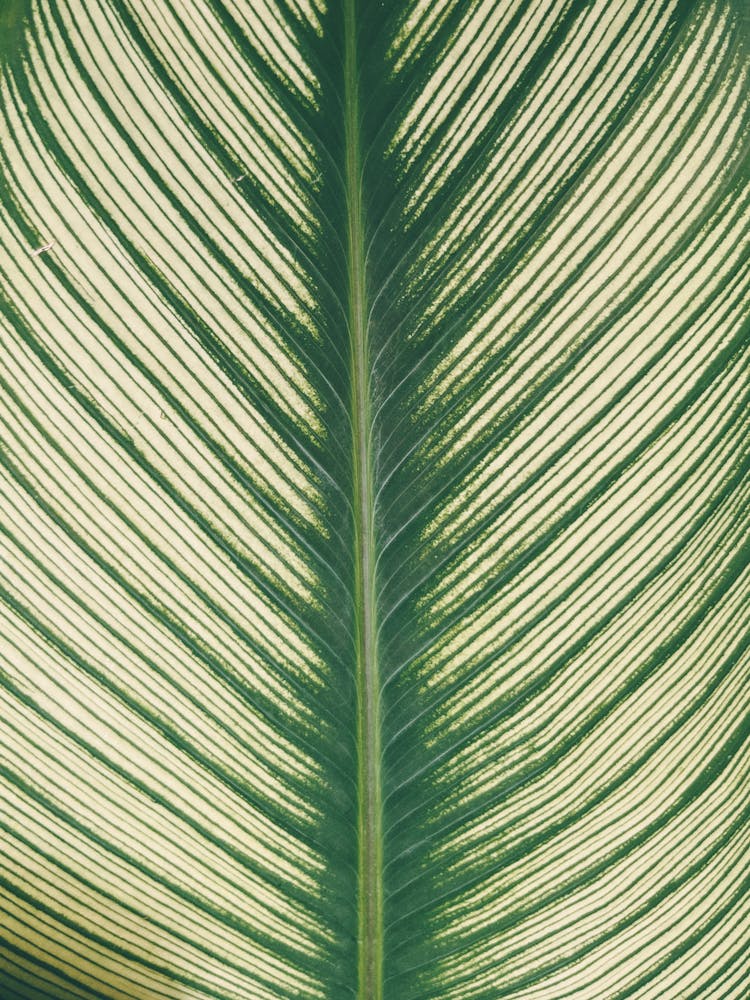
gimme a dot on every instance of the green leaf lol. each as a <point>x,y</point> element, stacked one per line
<point>374,589</point>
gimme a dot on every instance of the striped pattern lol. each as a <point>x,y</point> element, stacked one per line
<point>530,223</point>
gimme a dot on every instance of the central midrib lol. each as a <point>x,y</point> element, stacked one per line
<point>370,860</point>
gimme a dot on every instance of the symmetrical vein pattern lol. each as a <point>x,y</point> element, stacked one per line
<point>374,582</point>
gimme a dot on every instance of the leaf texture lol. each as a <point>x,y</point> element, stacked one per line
<point>374,487</point>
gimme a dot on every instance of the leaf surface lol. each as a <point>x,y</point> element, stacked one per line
<point>374,477</point>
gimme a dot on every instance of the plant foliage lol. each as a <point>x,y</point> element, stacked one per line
<point>374,414</point>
